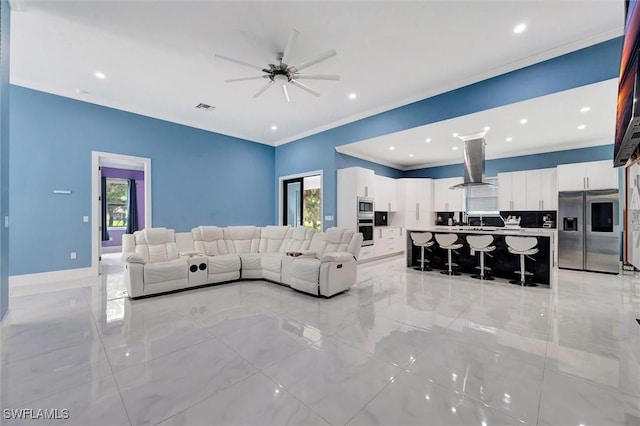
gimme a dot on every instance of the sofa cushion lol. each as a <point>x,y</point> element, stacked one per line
<point>250,261</point>
<point>306,269</point>
<point>271,262</point>
<point>297,239</point>
<point>156,245</point>
<point>165,271</point>
<point>271,238</point>
<point>242,239</point>
<point>338,239</point>
<point>209,240</point>
<point>224,263</point>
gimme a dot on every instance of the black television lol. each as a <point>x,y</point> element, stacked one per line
<point>627,136</point>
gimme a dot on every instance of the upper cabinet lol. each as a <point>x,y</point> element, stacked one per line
<point>542,189</point>
<point>445,199</point>
<point>589,175</point>
<point>385,199</point>
<point>415,201</point>
<point>512,191</point>
<point>528,190</point>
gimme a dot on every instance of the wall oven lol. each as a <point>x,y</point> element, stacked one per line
<point>365,227</point>
<point>365,208</point>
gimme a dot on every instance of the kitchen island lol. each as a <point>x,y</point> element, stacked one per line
<point>502,263</point>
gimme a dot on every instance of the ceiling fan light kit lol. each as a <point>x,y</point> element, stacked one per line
<point>285,74</point>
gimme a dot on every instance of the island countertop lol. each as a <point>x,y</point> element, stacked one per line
<point>545,232</point>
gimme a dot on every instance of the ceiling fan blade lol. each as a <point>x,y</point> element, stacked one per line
<point>264,89</point>
<point>286,93</point>
<point>237,61</point>
<point>318,76</point>
<point>304,87</point>
<point>293,36</point>
<point>233,80</point>
<point>313,61</point>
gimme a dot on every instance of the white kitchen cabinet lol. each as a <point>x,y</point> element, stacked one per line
<point>388,240</point>
<point>541,189</point>
<point>366,252</point>
<point>353,182</point>
<point>385,190</point>
<point>415,201</point>
<point>445,199</point>
<point>512,188</point>
<point>589,175</point>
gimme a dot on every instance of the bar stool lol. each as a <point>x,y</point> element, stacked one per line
<point>481,243</point>
<point>522,246</point>
<point>424,241</point>
<point>449,243</point>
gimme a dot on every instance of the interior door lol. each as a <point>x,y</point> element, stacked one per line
<point>292,207</point>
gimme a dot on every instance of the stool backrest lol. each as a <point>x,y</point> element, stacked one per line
<point>421,238</point>
<point>445,240</point>
<point>521,243</point>
<point>479,242</point>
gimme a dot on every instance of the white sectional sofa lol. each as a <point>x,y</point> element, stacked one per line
<point>158,260</point>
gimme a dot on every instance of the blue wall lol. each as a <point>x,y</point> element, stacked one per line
<point>525,162</point>
<point>5,23</point>
<point>586,66</point>
<point>198,177</point>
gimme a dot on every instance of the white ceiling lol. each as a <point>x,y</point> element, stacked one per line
<point>551,125</point>
<point>159,57</point>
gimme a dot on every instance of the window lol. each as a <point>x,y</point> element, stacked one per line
<point>117,202</point>
<point>483,198</point>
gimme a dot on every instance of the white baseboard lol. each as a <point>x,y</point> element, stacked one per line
<point>48,277</point>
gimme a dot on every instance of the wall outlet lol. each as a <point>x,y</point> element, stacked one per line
<point>73,255</point>
<point>85,219</point>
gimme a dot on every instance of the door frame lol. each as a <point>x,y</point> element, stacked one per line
<point>97,158</point>
<point>285,200</point>
<point>281,180</point>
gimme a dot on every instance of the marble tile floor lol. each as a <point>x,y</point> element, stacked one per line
<point>400,348</point>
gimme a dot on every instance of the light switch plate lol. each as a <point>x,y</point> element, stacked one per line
<point>85,219</point>
<point>328,217</point>
<point>73,255</point>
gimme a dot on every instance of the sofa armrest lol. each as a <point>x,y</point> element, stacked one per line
<point>132,258</point>
<point>303,253</point>
<point>337,256</point>
<point>187,254</point>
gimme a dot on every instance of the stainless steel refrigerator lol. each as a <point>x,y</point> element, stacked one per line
<point>588,230</point>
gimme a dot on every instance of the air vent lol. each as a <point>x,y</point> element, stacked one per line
<point>205,107</point>
<point>635,136</point>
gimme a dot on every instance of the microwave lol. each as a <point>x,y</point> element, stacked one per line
<point>365,207</point>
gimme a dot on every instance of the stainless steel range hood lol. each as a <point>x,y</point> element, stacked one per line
<point>473,164</point>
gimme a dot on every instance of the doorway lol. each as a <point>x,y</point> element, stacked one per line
<point>301,200</point>
<point>136,165</point>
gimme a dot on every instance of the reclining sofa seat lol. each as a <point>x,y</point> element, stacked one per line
<point>328,267</point>
<point>152,262</point>
<point>223,265</point>
<point>275,242</point>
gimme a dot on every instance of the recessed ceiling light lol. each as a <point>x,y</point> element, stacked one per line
<point>100,75</point>
<point>274,127</point>
<point>523,121</point>
<point>428,140</point>
<point>581,127</point>
<point>509,139</point>
<point>486,128</point>
<point>411,155</point>
<point>455,135</point>
<point>519,28</point>
<point>352,96</point>
<point>81,92</point>
<point>585,109</point>
<point>455,148</point>
<point>391,148</point>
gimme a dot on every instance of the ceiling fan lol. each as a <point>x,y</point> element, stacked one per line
<point>285,74</point>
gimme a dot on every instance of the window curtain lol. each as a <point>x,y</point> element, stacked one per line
<point>132,208</point>
<point>103,197</point>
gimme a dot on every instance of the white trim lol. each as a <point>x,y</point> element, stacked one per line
<point>96,158</point>
<point>281,179</point>
<point>49,277</point>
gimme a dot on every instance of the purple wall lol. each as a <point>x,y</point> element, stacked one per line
<point>110,172</point>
